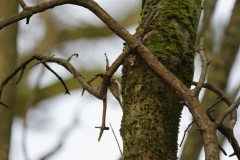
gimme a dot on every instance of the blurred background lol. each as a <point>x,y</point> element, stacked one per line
<point>52,126</point>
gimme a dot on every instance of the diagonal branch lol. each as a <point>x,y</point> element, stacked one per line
<point>224,98</point>
<point>71,69</point>
<point>91,80</point>
<point>22,4</point>
<point>186,132</point>
<point>116,139</point>
<point>60,79</point>
<point>227,112</point>
<point>26,13</point>
<point>218,91</point>
<point>21,67</point>
<point>60,61</point>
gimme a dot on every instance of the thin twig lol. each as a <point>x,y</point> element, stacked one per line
<point>28,20</point>
<point>21,74</point>
<point>91,80</point>
<point>40,62</point>
<point>218,91</point>
<point>186,132</point>
<point>214,104</point>
<point>233,154</point>
<point>4,104</point>
<point>60,79</point>
<point>148,21</point>
<point>221,149</point>
<point>22,4</point>
<point>75,54</point>
<point>6,80</point>
<point>116,139</point>
<point>72,70</point>
<point>25,8</point>
<point>107,62</point>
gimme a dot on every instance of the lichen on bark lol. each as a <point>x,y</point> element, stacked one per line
<point>152,109</point>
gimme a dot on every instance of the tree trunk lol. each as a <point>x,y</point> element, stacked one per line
<point>8,54</point>
<point>151,108</point>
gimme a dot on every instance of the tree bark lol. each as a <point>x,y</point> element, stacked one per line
<point>151,108</point>
<point>8,54</point>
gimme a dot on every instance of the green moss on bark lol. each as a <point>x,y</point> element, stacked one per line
<point>151,107</point>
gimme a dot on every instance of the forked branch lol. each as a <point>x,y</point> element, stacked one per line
<point>43,59</point>
<point>205,64</point>
<point>226,131</point>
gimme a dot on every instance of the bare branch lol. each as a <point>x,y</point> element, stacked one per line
<point>91,80</point>
<point>186,132</point>
<point>107,62</point>
<point>228,134</point>
<point>75,54</point>
<point>226,131</point>
<point>103,126</point>
<point>218,91</point>
<point>4,104</point>
<point>21,67</point>
<point>26,13</point>
<point>63,62</point>
<point>71,69</point>
<point>221,149</point>
<point>224,98</point>
<point>21,74</point>
<point>204,60</point>
<point>210,108</point>
<point>25,8</point>
<point>227,111</point>
<point>22,4</point>
<point>60,79</point>
<point>116,139</point>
